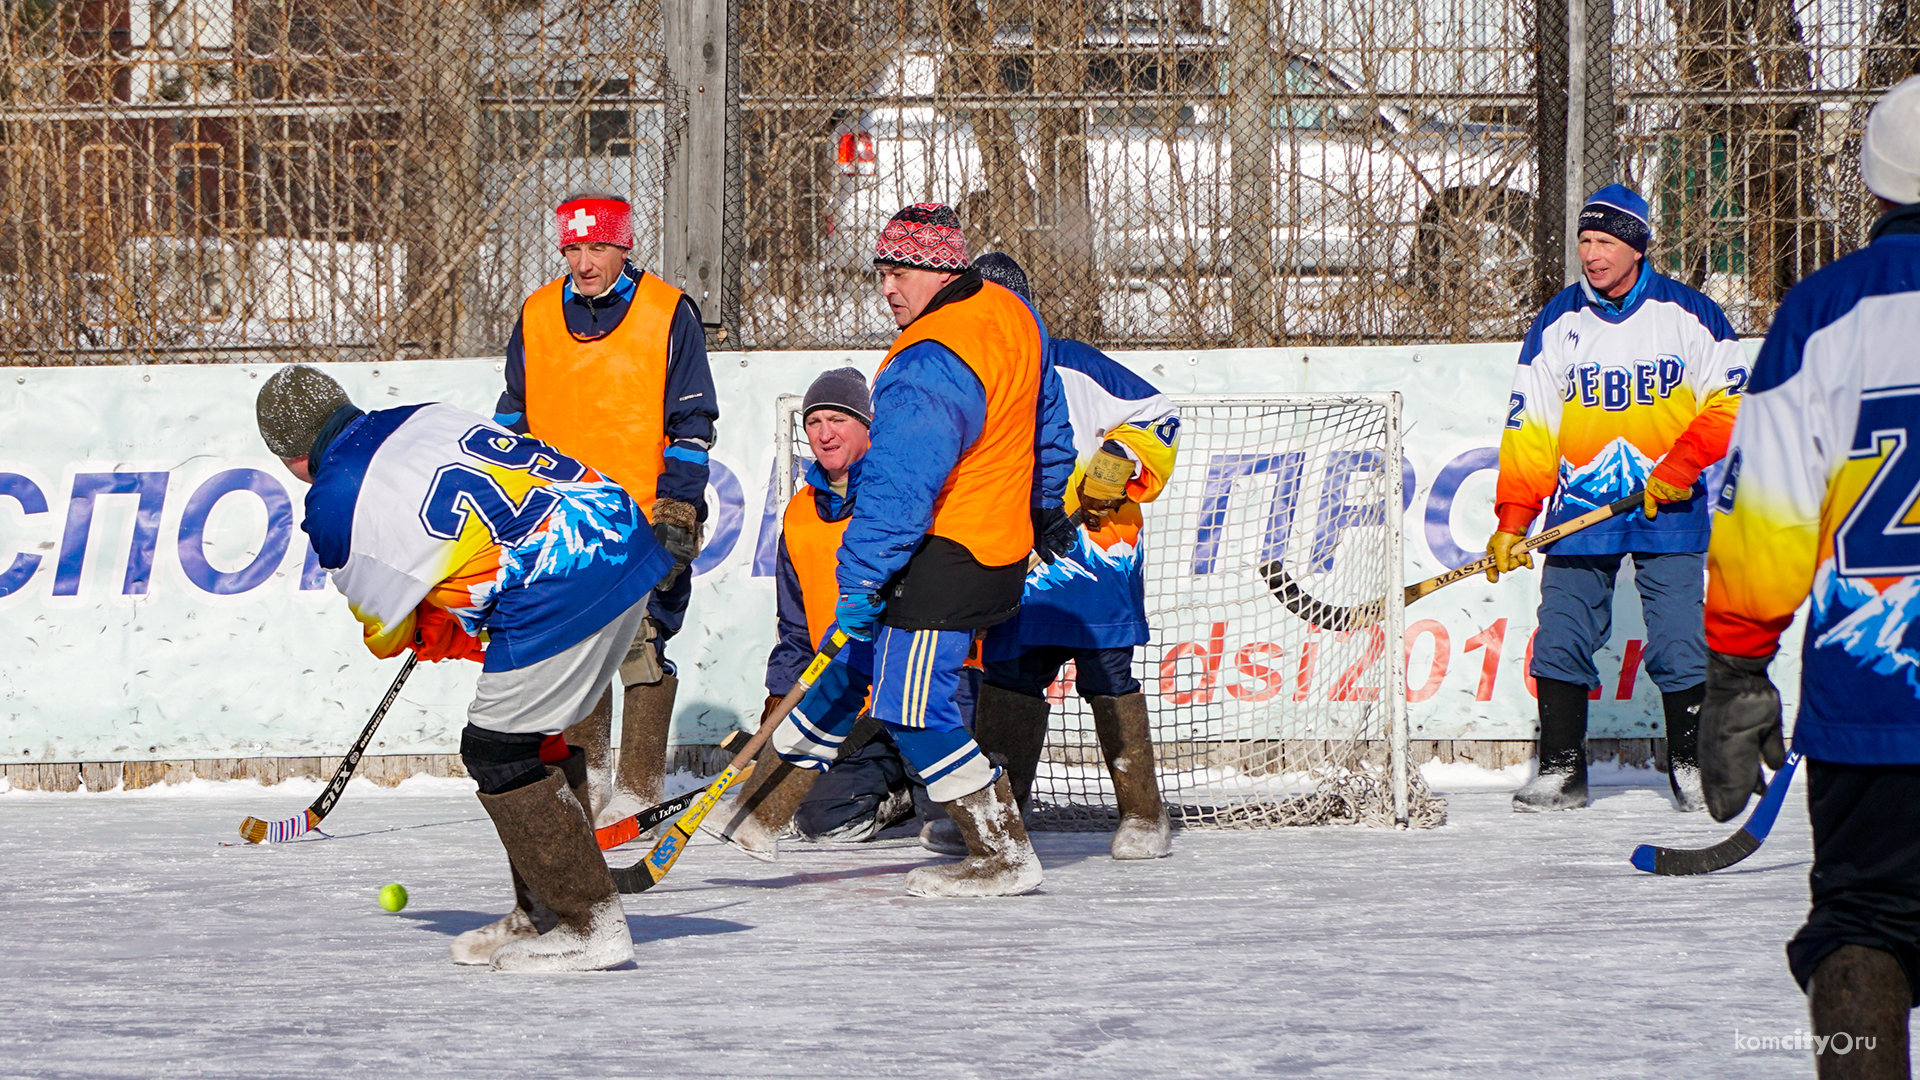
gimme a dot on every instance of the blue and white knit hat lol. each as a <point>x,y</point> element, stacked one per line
<point>1620,213</point>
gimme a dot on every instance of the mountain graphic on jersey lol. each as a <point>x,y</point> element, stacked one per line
<point>1877,630</point>
<point>1086,561</point>
<point>1618,470</point>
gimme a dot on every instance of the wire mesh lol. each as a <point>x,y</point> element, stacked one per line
<point>226,179</point>
<point>1258,717</point>
<point>211,179</point>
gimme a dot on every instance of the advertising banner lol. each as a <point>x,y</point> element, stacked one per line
<point>159,601</point>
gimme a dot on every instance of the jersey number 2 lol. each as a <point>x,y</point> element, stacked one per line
<point>1880,537</point>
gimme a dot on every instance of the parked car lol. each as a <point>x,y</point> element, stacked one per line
<point>1357,184</point>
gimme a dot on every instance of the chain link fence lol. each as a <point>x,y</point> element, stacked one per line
<point>322,179</point>
<point>222,179</point>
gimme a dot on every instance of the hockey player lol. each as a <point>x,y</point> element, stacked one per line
<point>1820,499</point>
<point>1089,606</point>
<point>1627,380</point>
<point>859,795</point>
<point>439,525</point>
<point>609,365</point>
<point>949,510</point>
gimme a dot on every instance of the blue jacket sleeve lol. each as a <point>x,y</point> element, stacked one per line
<point>511,410</point>
<point>792,651</point>
<point>928,407</point>
<point>691,409</point>
<point>1053,457</point>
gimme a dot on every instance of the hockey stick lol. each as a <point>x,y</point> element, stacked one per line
<point>647,873</point>
<point>1682,862</point>
<point>1360,616</point>
<point>628,829</point>
<point>255,831</point>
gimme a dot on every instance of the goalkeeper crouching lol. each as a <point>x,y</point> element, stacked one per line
<point>1088,606</point>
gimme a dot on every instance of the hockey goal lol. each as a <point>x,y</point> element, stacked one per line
<point>1260,717</point>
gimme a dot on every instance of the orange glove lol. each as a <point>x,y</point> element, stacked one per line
<point>438,636</point>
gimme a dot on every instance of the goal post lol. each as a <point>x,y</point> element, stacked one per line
<point>1259,717</point>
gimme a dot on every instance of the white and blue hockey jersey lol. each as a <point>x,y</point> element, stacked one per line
<point>1094,596</point>
<point>431,503</point>
<point>1823,497</point>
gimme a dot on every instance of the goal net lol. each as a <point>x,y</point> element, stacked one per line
<point>1275,673</point>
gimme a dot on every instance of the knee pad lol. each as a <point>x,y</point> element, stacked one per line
<point>500,761</point>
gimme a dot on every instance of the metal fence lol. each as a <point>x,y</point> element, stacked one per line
<point>211,179</point>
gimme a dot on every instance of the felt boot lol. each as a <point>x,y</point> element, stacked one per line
<point>1857,993</point>
<point>1683,747</point>
<point>754,820</point>
<point>1000,860</point>
<point>593,735</point>
<point>1127,744</point>
<point>640,775</point>
<point>1012,728</point>
<point>529,918</point>
<point>1562,783</point>
<point>550,842</point>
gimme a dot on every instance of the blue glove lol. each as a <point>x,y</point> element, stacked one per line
<point>856,613</point>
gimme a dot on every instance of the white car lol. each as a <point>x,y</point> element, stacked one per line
<point>1358,186</point>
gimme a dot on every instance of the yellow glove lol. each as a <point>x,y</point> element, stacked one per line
<point>1659,491</point>
<point>1505,559</point>
<point>1103,488</point>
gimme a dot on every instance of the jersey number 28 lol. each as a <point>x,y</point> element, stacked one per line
<point>460,490</point>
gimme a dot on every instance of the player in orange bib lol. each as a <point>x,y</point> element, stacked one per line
<point>608,364</point>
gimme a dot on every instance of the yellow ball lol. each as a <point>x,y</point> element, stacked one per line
<point>393,897</point>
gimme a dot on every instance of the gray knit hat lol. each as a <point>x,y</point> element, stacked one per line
<point>844,389</point>
<point>1004,270</point>
<point>293,406</point>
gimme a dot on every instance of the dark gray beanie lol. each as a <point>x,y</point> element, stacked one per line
<point>293,406</point>
<point>1003,270</point>
<point>844,389</point>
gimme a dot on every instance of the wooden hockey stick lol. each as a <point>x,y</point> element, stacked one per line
<point>628,829</point>
<point>1360,616</point>
<point>255,831</point>
<point>647,873</point>
<point>1683,862</point>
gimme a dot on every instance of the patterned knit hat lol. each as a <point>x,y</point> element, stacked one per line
<point>925,236</point>
<point>594,218</point>
<point>1621,213</point>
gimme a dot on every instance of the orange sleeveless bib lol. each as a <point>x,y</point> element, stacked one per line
<point>603,402</point>
<point>984,505</point>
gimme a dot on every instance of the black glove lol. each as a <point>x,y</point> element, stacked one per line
<point>676,525</point>
<point>1053,533</point>
<point>1739,727</point>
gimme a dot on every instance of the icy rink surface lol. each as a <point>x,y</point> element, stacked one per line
<point>1502,945</point>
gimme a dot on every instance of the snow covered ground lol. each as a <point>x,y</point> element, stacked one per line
<point>1502,945</point>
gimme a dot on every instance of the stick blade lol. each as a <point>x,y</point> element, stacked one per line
<point>1686,862</point>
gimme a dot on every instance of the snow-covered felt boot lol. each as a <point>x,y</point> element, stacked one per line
<point>1011,728</point>
<point>550,842</point>
<point>529,918</point>
<point>1863,992</point>
<point>1000,861</point>
<point>1127,743</point>
<point>756,818</point>
<point>640,776</point>
<point>595,735</point>
<point>1562,783</point>
<point>1682,708</point>
<point>942,837</point>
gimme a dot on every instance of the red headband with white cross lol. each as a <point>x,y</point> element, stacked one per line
<point>595,221</point>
